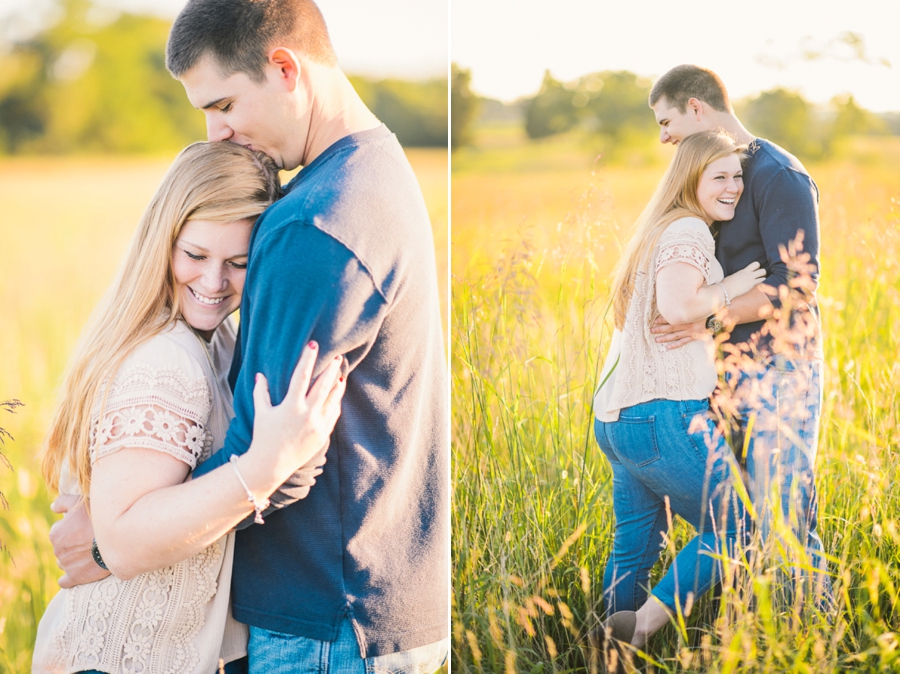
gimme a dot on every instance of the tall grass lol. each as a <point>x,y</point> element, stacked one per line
<point>532,515</point>
<point>63,229</point>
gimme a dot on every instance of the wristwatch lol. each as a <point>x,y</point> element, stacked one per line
<point>714,325</point>
<point>95,553</point>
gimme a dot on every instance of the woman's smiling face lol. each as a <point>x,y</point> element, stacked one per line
<point>720,188</point>
<point>209,263</point>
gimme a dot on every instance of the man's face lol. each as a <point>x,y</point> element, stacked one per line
<point>675,126</point>
<point>255,115</point>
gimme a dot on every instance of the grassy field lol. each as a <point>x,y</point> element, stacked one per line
<point>63,228</point>
<point>536,230</point>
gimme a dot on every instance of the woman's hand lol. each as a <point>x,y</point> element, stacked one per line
<point>743,281</point>
<point>290,434</point>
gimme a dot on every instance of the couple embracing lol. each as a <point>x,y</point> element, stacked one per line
<point>713,237</point>
<point>281,489</point>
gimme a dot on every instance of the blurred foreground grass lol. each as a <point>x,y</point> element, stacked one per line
<point>536,230</point>
<point>64,225</point>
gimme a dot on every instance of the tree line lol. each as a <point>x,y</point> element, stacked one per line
<point>83,87</point>
<point>612,108</point>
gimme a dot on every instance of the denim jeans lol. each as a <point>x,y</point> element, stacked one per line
<point>668,450</point>
<point>779,404</point>
<point>277,653</point>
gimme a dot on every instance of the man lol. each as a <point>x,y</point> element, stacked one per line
<point>349,571</point>
<point>776,384</point>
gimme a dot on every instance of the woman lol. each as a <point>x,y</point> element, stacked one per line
<point>145,400</point>
<point>652,409</point>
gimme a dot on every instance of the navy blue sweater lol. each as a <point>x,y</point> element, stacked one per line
<point>779,200</point>
<point>346,258</point>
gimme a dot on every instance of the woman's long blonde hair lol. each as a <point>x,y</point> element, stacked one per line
<point>675,197</point>
<point>221,182</point>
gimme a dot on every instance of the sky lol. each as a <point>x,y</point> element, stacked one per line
<point>754,46</point>
<point>407,39</point>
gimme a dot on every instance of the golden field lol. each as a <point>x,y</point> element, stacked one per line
<point>64,225</point>
<point>536,230</point>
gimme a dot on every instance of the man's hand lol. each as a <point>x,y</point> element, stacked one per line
<point>72,537</point>
<point>674,336</point>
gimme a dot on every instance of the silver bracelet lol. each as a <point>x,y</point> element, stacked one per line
<point>725,293</point>
<point>258,506</point>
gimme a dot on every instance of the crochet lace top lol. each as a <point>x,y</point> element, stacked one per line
<point>637,369</point>
<point>170,395</point>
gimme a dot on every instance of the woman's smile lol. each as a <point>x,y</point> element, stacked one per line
<point>209,263</point>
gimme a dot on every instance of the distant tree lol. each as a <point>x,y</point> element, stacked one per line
<point>463,107</point>
<point>614,105</point>
<point>415,111</point>
<point>611,106</point>
<point>891,121</point>
<point>787,119</point>
<point>551,111</point>
<point>24,109</point>
<point>850,119</point>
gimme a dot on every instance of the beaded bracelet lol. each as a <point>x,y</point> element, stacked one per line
<point>258,506</point>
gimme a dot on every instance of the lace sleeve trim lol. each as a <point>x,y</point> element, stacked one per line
<point>159,408</point>
<point>686,245</point>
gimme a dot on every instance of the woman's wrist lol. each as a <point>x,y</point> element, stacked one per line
<point>727,293</point>
<point>260,475</point>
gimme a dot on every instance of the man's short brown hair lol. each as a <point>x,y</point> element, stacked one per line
<point>239,34</point>
<point>682,83</point>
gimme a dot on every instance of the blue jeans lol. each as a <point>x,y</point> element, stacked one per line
<point>668,450</point>
<point>779,404</point>
<point>277,653</point>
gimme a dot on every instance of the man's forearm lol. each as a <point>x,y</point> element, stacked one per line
<point>748,308</point>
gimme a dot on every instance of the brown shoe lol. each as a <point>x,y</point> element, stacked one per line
<point>609,643</point>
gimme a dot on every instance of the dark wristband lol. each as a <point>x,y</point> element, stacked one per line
<point>95,553</point>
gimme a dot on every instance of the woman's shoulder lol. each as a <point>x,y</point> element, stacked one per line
<point>689,223</point>
<point>687,229</point>
<point>175,345</point>
<point>173,359</point>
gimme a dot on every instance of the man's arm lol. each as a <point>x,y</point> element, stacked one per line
<point>747,308</point>
<point>302,285</point>
<point>788,205</point>
<point>71,538</point>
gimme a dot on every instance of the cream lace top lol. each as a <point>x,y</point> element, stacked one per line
<point>170,395</point>
<point>637,369</point>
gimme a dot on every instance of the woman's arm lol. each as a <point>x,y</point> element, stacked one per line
<point>682,295</point>
<point>146,517</point>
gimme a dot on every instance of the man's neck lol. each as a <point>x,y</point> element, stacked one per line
<point>729,123</point>
<point>337,111</point>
